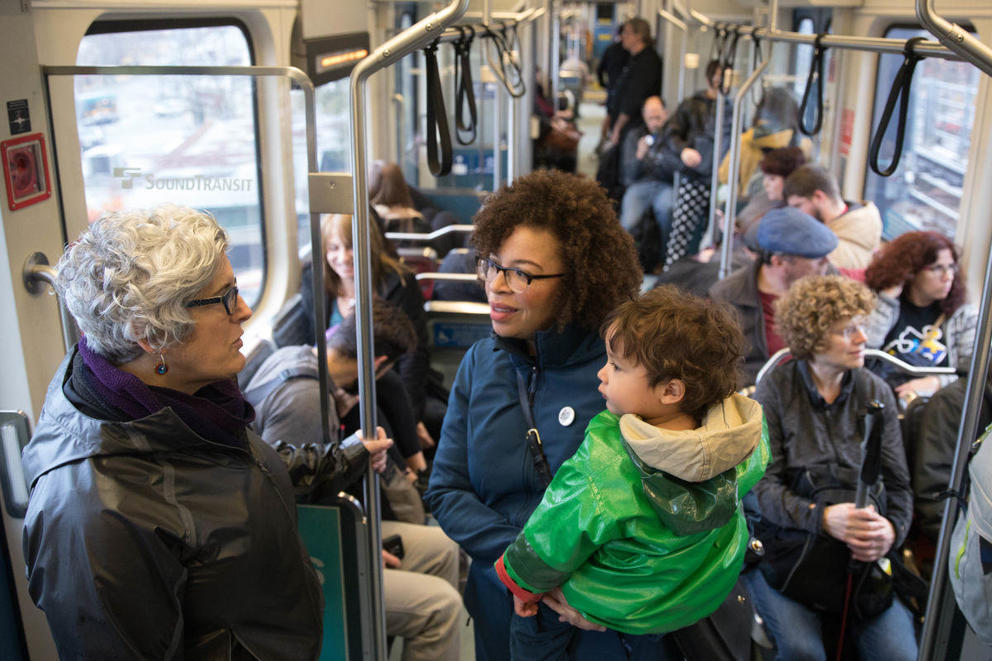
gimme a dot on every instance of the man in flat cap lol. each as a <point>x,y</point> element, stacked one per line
<point>791,245</point>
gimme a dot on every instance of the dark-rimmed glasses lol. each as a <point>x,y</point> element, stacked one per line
<point>516,279</point>
<point>229,299</point>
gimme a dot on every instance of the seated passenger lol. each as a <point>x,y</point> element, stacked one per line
<point>791,245</point>
<point>642,527</point>
<point>776,126</point>
<point>858,225</point>
<point>689,136</point>
<point>394,283</point>
<point>813,405</point>
<point>392,201</point>
<point>459,262</point>
<point>775,166</point>
<point>936,443</point>
<point>647,171</point>
<point>151,531</point>
<point>922,316</point>
<point>421,601</point>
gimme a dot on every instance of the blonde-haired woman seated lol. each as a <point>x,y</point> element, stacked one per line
<point>813,406</point>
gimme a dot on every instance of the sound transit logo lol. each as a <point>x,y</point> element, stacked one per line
<point>134,178</point>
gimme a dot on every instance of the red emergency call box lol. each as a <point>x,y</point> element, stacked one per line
<point>25,170</point>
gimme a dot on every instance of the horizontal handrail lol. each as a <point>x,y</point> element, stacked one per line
<point>457,307</point>
<point>903,366</point>
<point>448,277</point>
<point>420,236</point>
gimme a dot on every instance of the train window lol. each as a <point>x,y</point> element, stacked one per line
<point>191,140</point>
<point>925,191</point>
<point>333,119</point>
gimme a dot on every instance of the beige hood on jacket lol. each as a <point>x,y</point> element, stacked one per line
<point>730,431</point>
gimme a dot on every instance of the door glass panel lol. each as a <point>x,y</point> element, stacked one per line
<point>189,140</point>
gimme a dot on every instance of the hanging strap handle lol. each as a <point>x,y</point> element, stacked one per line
<point>757,91</point>
<point>719,38</point>
<point>728,62</point>
<point>815,72</point>
<point>900,90</point>
<point>464,90</point>
<point>437,120</point>
<point>509,69</point>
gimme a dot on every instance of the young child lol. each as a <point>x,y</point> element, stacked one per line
<point>642,527</point>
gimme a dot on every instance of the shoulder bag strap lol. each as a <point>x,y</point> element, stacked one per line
<point>533,437</point>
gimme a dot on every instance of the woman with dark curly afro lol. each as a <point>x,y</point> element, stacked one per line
<point>921,316</point>
<point>554,260</point>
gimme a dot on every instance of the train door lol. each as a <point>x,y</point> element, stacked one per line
<point>31,344</point>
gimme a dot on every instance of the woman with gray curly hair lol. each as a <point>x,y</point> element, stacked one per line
<point>159,526</point>
<point>808,520</point>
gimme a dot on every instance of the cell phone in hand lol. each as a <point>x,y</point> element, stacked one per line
<point>393,544</point>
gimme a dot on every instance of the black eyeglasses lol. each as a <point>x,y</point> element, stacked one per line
<point>516,279</point>
<point>228,298</point>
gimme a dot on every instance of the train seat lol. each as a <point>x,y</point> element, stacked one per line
<point>256,357</point>
<point>289,327</point>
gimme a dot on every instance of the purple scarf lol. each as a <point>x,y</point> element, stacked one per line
<point>218,412</point>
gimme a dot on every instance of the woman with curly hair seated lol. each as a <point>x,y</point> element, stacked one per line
<point>555,261</point>
<point>921,316</point>
<point>808,521</point>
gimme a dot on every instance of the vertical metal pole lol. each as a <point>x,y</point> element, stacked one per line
<point>730,212</point>
<point>721,101</point>
<point>528,65</point>
<point>414,37</point>
<point>512,106</point>
<point>497,133</point>
<point>555,56</point>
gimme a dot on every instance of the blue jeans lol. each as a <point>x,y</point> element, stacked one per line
<point>643,194</point>
<point>795,629</point>
<point>544,638</point>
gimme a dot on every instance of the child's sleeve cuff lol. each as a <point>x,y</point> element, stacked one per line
<point>524,595</point>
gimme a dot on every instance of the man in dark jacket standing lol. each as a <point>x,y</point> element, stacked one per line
<point>639,80</point>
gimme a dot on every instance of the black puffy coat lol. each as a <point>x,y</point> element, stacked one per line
<point>144,540</point>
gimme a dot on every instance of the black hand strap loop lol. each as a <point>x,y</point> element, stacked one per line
<point>815,75</point>
<point>437,119</point>
<point>716,48</point>
<point>464,89</point>
<point>510,72</point>
<point>759,57</point>
<point>728,62</point>
<point>901,87</point>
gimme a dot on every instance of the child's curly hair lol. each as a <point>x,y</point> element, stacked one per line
<point>675,335</point>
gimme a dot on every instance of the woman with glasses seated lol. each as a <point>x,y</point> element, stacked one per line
<point>922,316</point>
<point>159,525</point>
<point>554,261</point>
<point>808,521</point>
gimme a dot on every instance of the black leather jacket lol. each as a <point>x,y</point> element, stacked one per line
<point>144,540</point>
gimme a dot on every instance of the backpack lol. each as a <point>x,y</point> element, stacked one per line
<point>970,560</point>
